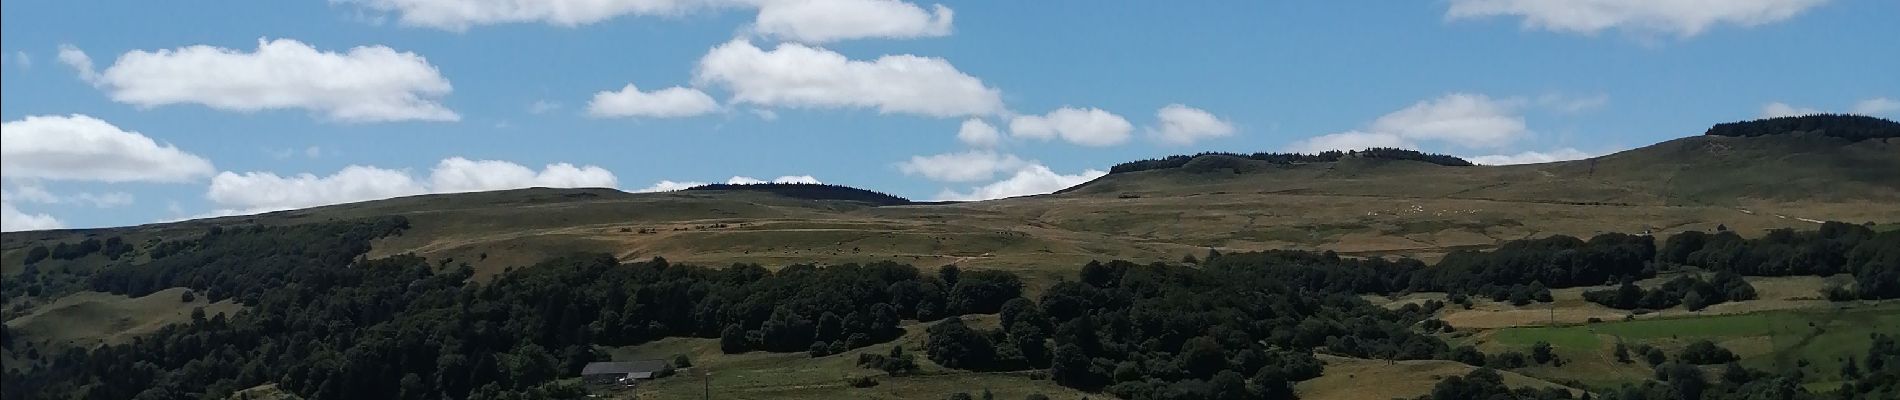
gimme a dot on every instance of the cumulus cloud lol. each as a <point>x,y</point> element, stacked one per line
<point>257,192</point>
<point>1469,120</point>
<point>819,21</point>
<point>459,15</point>
<point>1184,125</point>
<point>22,59</point>
<point>976,133</point>
<point>82,148</point>
<point>1029,180</point>
<point>14,220</point>
<point>1876,106</point>
<point>810,21</point>
<point>365,84</point>
<point>967,166</point>
<point>1531,157</point>
<point>1683,18</point>
<point>81,63</point>
<point>673,102</point>
<point>799,76</point>
<point>1349,140</point>
<point>459,174</point>
<point>1087,127</point>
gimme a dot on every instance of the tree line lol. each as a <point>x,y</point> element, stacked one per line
<point>1845,126</point>
<point>1384,153</point>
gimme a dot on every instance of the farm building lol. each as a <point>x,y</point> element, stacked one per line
<point>624,372</point>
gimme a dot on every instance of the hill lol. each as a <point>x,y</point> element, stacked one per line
<point>1361,203</point>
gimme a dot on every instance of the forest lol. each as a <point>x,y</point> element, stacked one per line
<point>1845,126</point>
<point>325,322</point>
<point>1178,161</point>
<point>812,191</point>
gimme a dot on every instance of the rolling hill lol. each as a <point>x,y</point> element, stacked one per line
<point>1354,205</point>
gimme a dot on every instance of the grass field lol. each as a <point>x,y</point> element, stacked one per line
<point>1347,379</point>
<point>1776,340</point>
<point>89,319</point>
<point>758,375</point>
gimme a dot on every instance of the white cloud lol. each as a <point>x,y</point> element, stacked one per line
<point>33,193</point>
<point>459,15</point>
<point>543,106</point>
<point>1349,140</point>
<point>1780,109</point>
<point>83,148</point>
<point>13,220</point>
<point>673,102</point>
<point>764,114</point>
<point>1683,18</point>
<point>798,76</point>
<point>1029,180</point>
<point>459,174</point>
<point>1469,120</point>
<point>819,21</point>
<point>976,133</point>
<point>257,192</point>
<point>1184,125</point>
<point>22,59</point>
<point>1531,157</point>
<point>669,186</point>
<point>810,21</point>
<point>1087,127</point>
<point>967,166</point>
<point>365,84</point>
<point>81,63</point>
<point>1876,106</point>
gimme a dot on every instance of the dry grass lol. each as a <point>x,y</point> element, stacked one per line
<point>1362,379</point>
<point>88,319</point>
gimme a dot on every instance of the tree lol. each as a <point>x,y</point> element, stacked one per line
<point>1694,302</point>
<point>1655,356</point>
<point>1704,352</point>
<point>954,345</point>
<point>37,253</point>
<point>949,274</point>
<point>681,361</point>
<point>1202,357</point>
<point>1540,352</point>
<point>732,340</point>
<point>1622,352</point>
<point>188,296</point>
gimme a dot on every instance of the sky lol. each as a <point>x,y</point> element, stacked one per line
<point>132,112</point>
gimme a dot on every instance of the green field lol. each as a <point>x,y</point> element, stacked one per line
<point>1774,340</point>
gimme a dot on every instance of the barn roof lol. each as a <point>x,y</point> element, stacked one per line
<point>623,367</point>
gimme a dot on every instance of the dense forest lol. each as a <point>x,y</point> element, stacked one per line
<point>1294,158</point>
<point>1872,257</point>
<point>325,322</point>
<point>1845,126</point>
<point>812,191</point>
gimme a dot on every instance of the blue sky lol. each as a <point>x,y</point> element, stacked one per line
<point>380,98</point>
